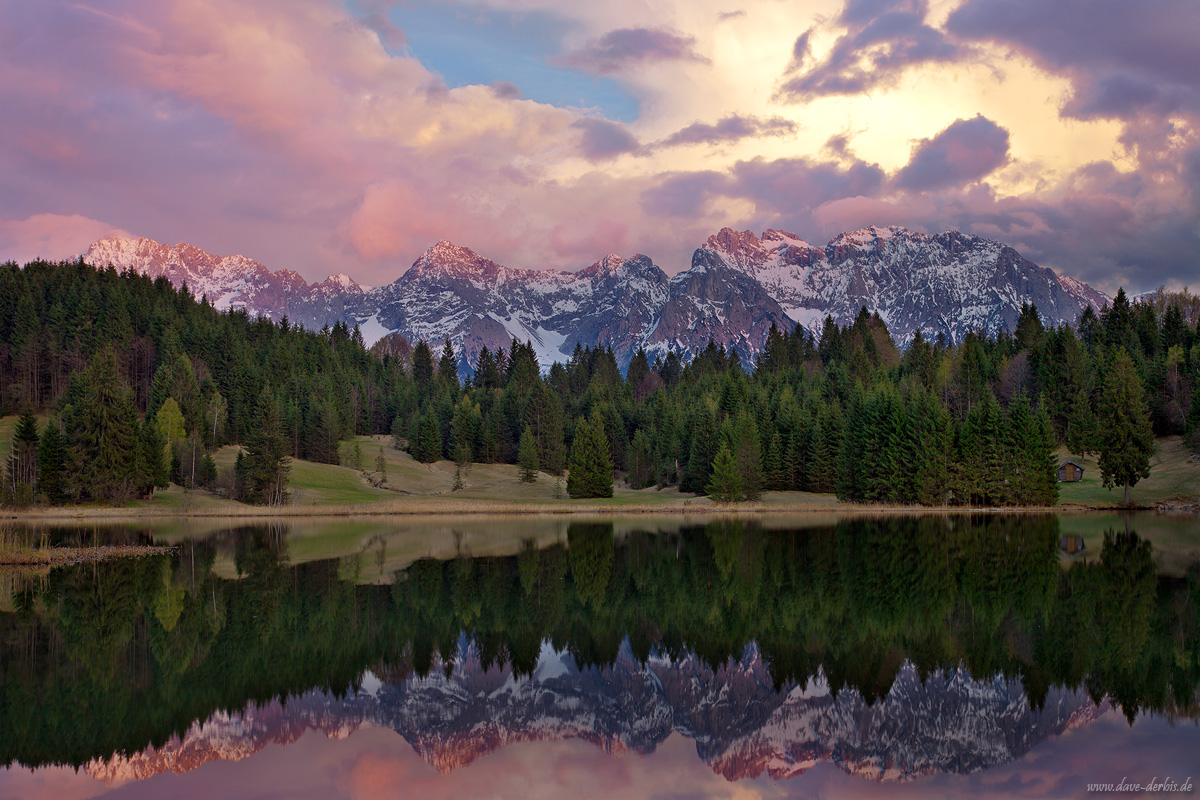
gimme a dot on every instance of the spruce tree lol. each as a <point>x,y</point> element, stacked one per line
<point>748,456</point>
<point>724,485</point>
<point>1081,426</point>
<point>427,444</point>
<point>151,462</point>
<point>590,470</point>
<point>448,367</point>
<point>103,433</point>
<point>701,452</point>
<point>208,471</point>
<point>1043,463</point>
<point>267,465</point>
<point>422,368</point>
<point>1127,441</point>
<point>527,457</point>
<point>641,461</point>
<point>52,465</point>
<point>776,464</point>
<point>21,473</point>
<point>381,464</point>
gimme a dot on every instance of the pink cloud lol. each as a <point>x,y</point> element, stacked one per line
<point>50,236</point>
<point>603,237</point>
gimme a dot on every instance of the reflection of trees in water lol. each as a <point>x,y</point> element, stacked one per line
<point>117,656</point>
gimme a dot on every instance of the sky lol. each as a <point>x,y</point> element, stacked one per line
<point>347,136</point>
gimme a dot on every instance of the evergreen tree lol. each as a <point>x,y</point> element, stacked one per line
<point>426,445</point>
<point>464,427</point>
<point>701,452</point>
<point>422,367</point>
<point>748,456</point>
<point>527,457</point>
<point>1042,460</point>
<point>52,465</point>
<point>776,466</point>
<point>1128,440</point>
<point>1081,426</point>
<point>381,465</point>
<point>725,484</point>
<point>641,462</point>
<point>208,471</point>
<point>590,469</point>
<point>267,465</point>
<point>21,473</point>
<point>544,415</point>
<point>448,367</point>
<point>103,433</point>
<point>151,467</point>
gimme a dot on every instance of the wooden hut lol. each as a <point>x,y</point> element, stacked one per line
<point>1069,472</point>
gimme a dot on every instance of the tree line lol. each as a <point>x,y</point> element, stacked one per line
<point>114,357</point>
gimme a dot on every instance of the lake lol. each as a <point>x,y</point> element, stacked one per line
<point>949,655</point>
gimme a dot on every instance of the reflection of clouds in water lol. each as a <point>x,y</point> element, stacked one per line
<point>317,767</point>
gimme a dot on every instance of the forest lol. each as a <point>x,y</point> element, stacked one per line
<point>94,662</point>
<point>142,382</point>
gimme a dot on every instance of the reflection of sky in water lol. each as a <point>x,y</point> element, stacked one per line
<point>376,763</point>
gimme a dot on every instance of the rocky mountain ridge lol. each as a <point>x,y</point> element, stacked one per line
<point>737,286</point>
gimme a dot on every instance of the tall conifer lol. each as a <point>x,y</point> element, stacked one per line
<point>591,460</point>
<point>1128,440</point>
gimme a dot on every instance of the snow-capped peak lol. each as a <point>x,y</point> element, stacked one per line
<point>341,279</point>
<point>870,234</point>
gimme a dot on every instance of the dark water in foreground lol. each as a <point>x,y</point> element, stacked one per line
<point>939,656</point>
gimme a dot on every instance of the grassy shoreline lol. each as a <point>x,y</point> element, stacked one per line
<point>481,507</point>
<point>414,489</point>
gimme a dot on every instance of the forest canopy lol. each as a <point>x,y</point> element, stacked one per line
<point>975,422</point>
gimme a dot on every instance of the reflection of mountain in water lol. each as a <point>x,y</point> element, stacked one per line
<point>743,727</point>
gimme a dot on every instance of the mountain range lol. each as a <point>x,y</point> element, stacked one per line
<point>737,286</point>
<point>743,727</point>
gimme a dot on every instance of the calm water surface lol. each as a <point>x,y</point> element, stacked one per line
<point>949,656</point>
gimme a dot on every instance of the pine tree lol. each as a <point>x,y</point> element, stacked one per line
<point>527,457</point>
<point>1043,463</point>
<point>208,471</point>
<point>724,485</point>
<point>21,473</point>
<point>1081,426</point>
<point>748,456</point>
<point>422,368</point>
<point>590,470</point>
<point>1128,439</point>
<point>544,414</point>
<point>641,461</point>
<point>427,444</point>
<point>381,465</point>
<point>103,433</point>
<point>52,465</point>
<point>776,471</point>
<point>464,427</point>
<point>448,367</point>
<point>267,465</point>
<point>701,452</point>
<point>151,462</point>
